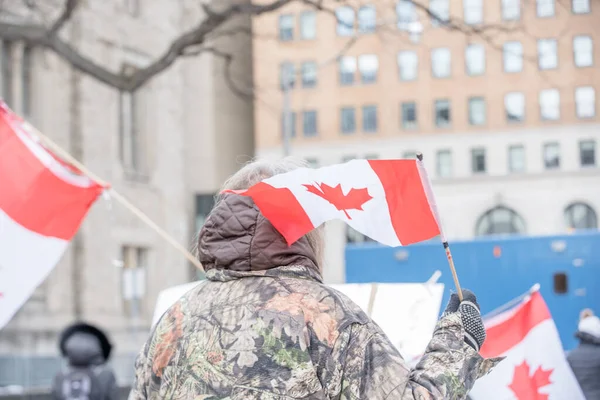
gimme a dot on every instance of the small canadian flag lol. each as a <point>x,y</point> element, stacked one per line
<point>535,367</point>
<point>390,201</point>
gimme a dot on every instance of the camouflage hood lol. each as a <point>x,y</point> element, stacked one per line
<point>236,238</point>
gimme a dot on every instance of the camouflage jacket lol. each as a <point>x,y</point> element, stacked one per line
<point>254,331</point>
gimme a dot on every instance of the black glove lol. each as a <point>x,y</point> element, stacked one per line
<point>471,317</point>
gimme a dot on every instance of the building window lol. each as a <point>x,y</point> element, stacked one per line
<point>547,53</point>
<point>475,59</point>
<point>478,164</point>
<point>407,65</point>
<point>477,111</point>
<point>581,216</point>
<point>309,74</point>
<point>368,66</point>
<point>369,118</point>
<point>516,158</point>
<point>345,21</point>
<point>511,10</point>
<point>583,51</point>
<point>287,75</point>
<point>440,62</point>
<point>444,163</point>
<point>587,153</point>
<point>409,115</point>
<point>545,8</point>
<point>473,11</point>
<point>308,25</point>
<point>204,205</point>
<point>551,155</point>
<point>309,123</point>
<point>585,102</point>
<point>514,105</point>
<point>500,221</point>
<point>550,104</point>
<point>348,120</point>
<point>443,117</point>
<point>286,27</point>
<point>26,77</point>
<point>347,70</point>
<point>513,56</point>
<point>347,158</point>
<point>405,13</point>
<point>367,19</point>
<point>580,6</point>
<point>440,11</point>
<point>133,278</point>
<point>292,124</point>
<point>371,156</point>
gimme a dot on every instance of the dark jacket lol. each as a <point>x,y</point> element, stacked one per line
<point>585,363</point>
<point>86,350</point>
<point>264,326</point>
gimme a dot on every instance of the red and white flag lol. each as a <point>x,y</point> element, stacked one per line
<point>535,367</point>
<point>390,201</point>
<point>42,203</point>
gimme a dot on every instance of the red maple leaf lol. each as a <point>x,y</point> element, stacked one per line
<point>526,387</point>
<point>354,200</point>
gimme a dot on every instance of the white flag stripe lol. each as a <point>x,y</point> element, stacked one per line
<point>26,260</point>
<point>374,221</point>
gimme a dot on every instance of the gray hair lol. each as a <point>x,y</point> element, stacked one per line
<point>256,171</point>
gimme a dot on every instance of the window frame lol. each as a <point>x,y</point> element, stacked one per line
<point>471,100</point>
<point>280,30</point>
<point>481,13</point>
<point>441,19</point>
<point>400,65</point>
<point>353,73</point>
<point>435,113</point>
<point>511,166</point>
<point>537,9</point>
<point>524,106</point>
<point>303,68</point>
<point>344,109</point>
<point>589,8</point>
<point>542,117</point>
<point>468,70</point>
<point>505,58</point>
<point>546,146</point>
<point>575,52</point>
<point>594,148</point>
<point>504,8</point>
<point>360,61</point>
<point>438,163</point>
<point>363,28</point>
<point>481,151</point>
<point>541,56</point>
<point>436,51</point>
<point>403,121</point>
<point>373,111</point>
<point>577,104</point>
<point>303,15</point>
<point>351,29</point>
<point>306,113</point>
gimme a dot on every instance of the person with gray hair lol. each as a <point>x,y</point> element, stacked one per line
<point>585,359</point>
<point>264,326</point>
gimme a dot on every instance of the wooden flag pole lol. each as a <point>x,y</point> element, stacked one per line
<point>46,141</point>
<point>446,247</point>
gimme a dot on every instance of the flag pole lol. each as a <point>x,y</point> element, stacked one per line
<point>446,246</point>
<point>46,141</point>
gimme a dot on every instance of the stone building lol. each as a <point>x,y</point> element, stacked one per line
<point>166,147</point>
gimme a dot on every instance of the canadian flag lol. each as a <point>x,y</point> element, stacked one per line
<point>42,203</point>
<point>535,367</point>
<point>388,200</point>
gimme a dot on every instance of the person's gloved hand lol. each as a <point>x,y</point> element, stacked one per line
<point>471,317</point>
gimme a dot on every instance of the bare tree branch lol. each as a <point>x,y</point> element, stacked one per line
<point>70,6</point>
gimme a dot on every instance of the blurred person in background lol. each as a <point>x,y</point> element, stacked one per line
<point>86,375</point>
<point>585,359</point>
<point>264,326</point>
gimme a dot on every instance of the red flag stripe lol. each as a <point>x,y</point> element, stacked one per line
<point>410,212</point>
<point>507,334</point>
<point>32,195</point>
<point>282,209</point>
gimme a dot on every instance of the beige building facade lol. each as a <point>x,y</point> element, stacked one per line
<point>167,147</point>
<point>499,96</point>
